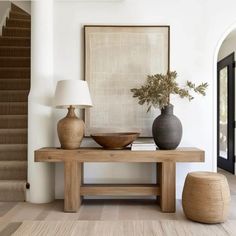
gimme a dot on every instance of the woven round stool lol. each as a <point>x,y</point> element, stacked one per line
<point>206,197</point>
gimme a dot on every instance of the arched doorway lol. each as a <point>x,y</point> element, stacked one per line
<point>225,101</point>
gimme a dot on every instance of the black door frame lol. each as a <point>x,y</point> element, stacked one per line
<point>227,164</point>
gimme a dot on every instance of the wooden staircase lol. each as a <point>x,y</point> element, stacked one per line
<point>14,90</point>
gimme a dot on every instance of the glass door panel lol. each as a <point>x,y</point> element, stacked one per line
<point>223,112</point>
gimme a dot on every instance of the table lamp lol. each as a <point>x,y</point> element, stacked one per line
<point>71,94</point>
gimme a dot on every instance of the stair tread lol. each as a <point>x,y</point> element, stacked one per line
<point>17,130</point>
<point>17,19</point>
<point>12,103</point>
<point>13,152</point>
<point>12,116</point>
<point>16,31</point>
<point>15,41</point>
<point>12,181</point>
<point>17,15</point>
<point>17,28</point>
<point>4,147</point>
<point>9,61</point>
<point>14,68</point>
<point>13,121</point>
<point>14,84</point>
<point>18,185</point>
<point>20,13</point>
<point>14,47</point>
<point>12,190</point>
<point>13,169</point>
<point>13,108</point>
<point>15,37</point>
<point>13,164</point>
<point>7,79</point>
<point>22,23</point>
<point>14,91</point>
<point>13,131</point>
<point>15,51</point>
<point>5,183</point>
<point>14,95</point>
<point>14,58</point>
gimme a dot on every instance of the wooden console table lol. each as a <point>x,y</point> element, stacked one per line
<point>75,189</point>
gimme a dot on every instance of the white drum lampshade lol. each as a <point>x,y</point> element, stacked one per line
<point>71,94</point>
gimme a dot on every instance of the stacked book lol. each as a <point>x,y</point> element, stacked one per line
<point>143,146</point>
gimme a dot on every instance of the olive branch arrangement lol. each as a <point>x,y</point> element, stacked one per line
<point>157,90</point>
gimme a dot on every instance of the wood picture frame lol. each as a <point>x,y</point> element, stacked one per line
<point>118,58</point>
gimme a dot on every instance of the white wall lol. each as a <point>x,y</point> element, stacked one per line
<point>24,5</point>
<point>196,30</point>
<point>4,5</point>
<point>4,11</point>
<point>40,122</point>
<point>228,46</point>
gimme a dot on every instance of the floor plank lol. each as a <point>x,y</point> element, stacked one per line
<point>110,217</point>
<point>120,228</point>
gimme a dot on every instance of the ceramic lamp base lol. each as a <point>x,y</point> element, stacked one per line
<point>70,130</point>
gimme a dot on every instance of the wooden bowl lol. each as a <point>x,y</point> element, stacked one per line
<point>114,140</point>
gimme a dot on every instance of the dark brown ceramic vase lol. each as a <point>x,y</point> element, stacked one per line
<point>167,129</point>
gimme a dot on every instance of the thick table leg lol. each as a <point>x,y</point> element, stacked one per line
<point>166,180</point>
<point>72,178</point>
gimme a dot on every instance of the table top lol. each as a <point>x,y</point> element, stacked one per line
<point>182,154</point>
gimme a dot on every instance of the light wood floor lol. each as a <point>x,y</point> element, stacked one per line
<point>119,228</point>
<point>144,211</point>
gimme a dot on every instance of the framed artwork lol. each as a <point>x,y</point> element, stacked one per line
<point>118,58</point>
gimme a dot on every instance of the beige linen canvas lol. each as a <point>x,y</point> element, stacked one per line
<point>118,58</point>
